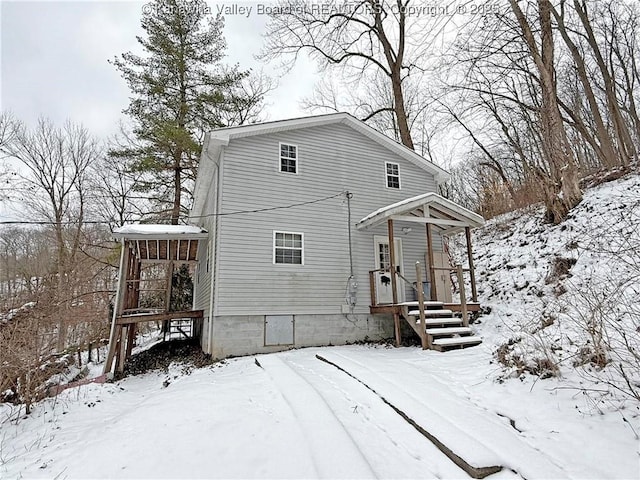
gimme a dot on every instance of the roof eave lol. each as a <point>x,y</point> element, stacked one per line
<point>160,236</point>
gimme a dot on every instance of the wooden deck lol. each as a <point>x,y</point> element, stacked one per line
<point>158,317</point>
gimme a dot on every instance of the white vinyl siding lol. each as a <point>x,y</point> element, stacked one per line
<point>288,248</point>
<point>392,175</point>
<point>336,159</point>
<point>288,158</point>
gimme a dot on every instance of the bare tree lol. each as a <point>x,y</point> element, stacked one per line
<point>56,164</point>
<point>245,101</point>
<point>562,191</point>
<point>7,128</point>
<point>371,42</point>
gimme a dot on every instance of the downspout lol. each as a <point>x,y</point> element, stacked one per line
<point>213,259</point>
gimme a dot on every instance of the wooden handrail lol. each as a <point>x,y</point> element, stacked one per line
<point>458,270</point>
<point>407,281</point>
<point>463,296</point>
<point>451,269</point>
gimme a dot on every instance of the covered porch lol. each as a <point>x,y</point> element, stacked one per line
<point>440,217</point>
<point>150,254</point>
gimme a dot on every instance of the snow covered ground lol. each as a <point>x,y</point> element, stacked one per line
<point>534,398</point>
<point>291,415</point>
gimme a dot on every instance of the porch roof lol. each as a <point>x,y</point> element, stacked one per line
<point>162,243</point>
<point>431,208</point>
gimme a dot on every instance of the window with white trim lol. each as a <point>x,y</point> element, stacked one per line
<point>288,158</point>
<point>288,248</point>
<point>393,174</point>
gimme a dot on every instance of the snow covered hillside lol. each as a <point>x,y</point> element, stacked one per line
<point>565,299</point>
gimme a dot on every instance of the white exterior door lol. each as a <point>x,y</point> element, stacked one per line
<point>384,292</point>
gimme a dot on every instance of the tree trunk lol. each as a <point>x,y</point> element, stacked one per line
<point>608,155</point>
<point>177,188</point>
<point>561,188</point>
<point>626,146</point>
<point>400,111</point>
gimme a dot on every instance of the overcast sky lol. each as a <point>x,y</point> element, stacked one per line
<point>54,60</point>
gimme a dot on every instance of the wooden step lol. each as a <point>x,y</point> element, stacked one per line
<point>432,313</point>
<point>440,321</point>
<point>427,303</point>
<point>449,331</point>
<point>446,343</point>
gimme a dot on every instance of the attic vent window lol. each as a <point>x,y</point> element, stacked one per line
<point>288,158</point>
<point>393,175</point>
<point>287,248</point>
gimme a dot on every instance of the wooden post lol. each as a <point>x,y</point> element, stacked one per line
<point>122,348</point>
<point>423,319</point>
<point>392,262</point>
<point>463,296</point>
<point>432,272</point>
<point>125,258</point>
<point>372,289</point>
<point>131,336</point>
<point>474,291</point>
<point>166,326</point>
<point>170,269</point>
<point>394,286</point>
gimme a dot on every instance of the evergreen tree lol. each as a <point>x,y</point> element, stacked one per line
<point>180,90</point>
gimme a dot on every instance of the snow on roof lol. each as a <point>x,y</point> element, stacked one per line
<point>149,230</point>
<point>407,205</point>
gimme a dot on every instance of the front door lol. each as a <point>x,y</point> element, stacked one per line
<point>384,292</point>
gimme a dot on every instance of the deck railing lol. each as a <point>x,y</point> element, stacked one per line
<point>372,284</point>
<point>417,287</point>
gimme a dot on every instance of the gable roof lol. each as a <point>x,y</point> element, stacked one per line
<point>217,139</point>
<point>432,208</point>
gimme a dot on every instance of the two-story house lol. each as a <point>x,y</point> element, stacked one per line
<point>300,215</point>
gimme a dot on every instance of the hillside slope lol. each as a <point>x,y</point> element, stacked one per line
<point>565,299</point>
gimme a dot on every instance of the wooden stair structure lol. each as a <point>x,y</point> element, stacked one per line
<point>442,330</point>
<point>438,327</point>
<point>149,255</point>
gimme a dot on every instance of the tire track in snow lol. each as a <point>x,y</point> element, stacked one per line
<point>393,448</point>
<point>333,451</point>
<point>488,442</point>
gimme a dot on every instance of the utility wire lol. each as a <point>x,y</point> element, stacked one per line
<point>239,212</point>
<point>268,209</point>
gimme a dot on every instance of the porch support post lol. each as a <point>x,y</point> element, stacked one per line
<point>392,262</point>
<point>394,285</point>
<point>472,272</point>
<point>432,271</point>
<point>125,259</point>
<point>166,325</point>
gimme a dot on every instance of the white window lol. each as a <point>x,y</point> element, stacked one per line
<point>288,158</point>
<point>393,174</point>
<point>288,248</point>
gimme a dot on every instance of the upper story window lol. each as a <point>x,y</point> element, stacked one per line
<point>288,248</point>
<point>393,174</point>
<point>288,158</point>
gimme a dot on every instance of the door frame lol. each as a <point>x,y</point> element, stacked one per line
<point>384,240</point>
